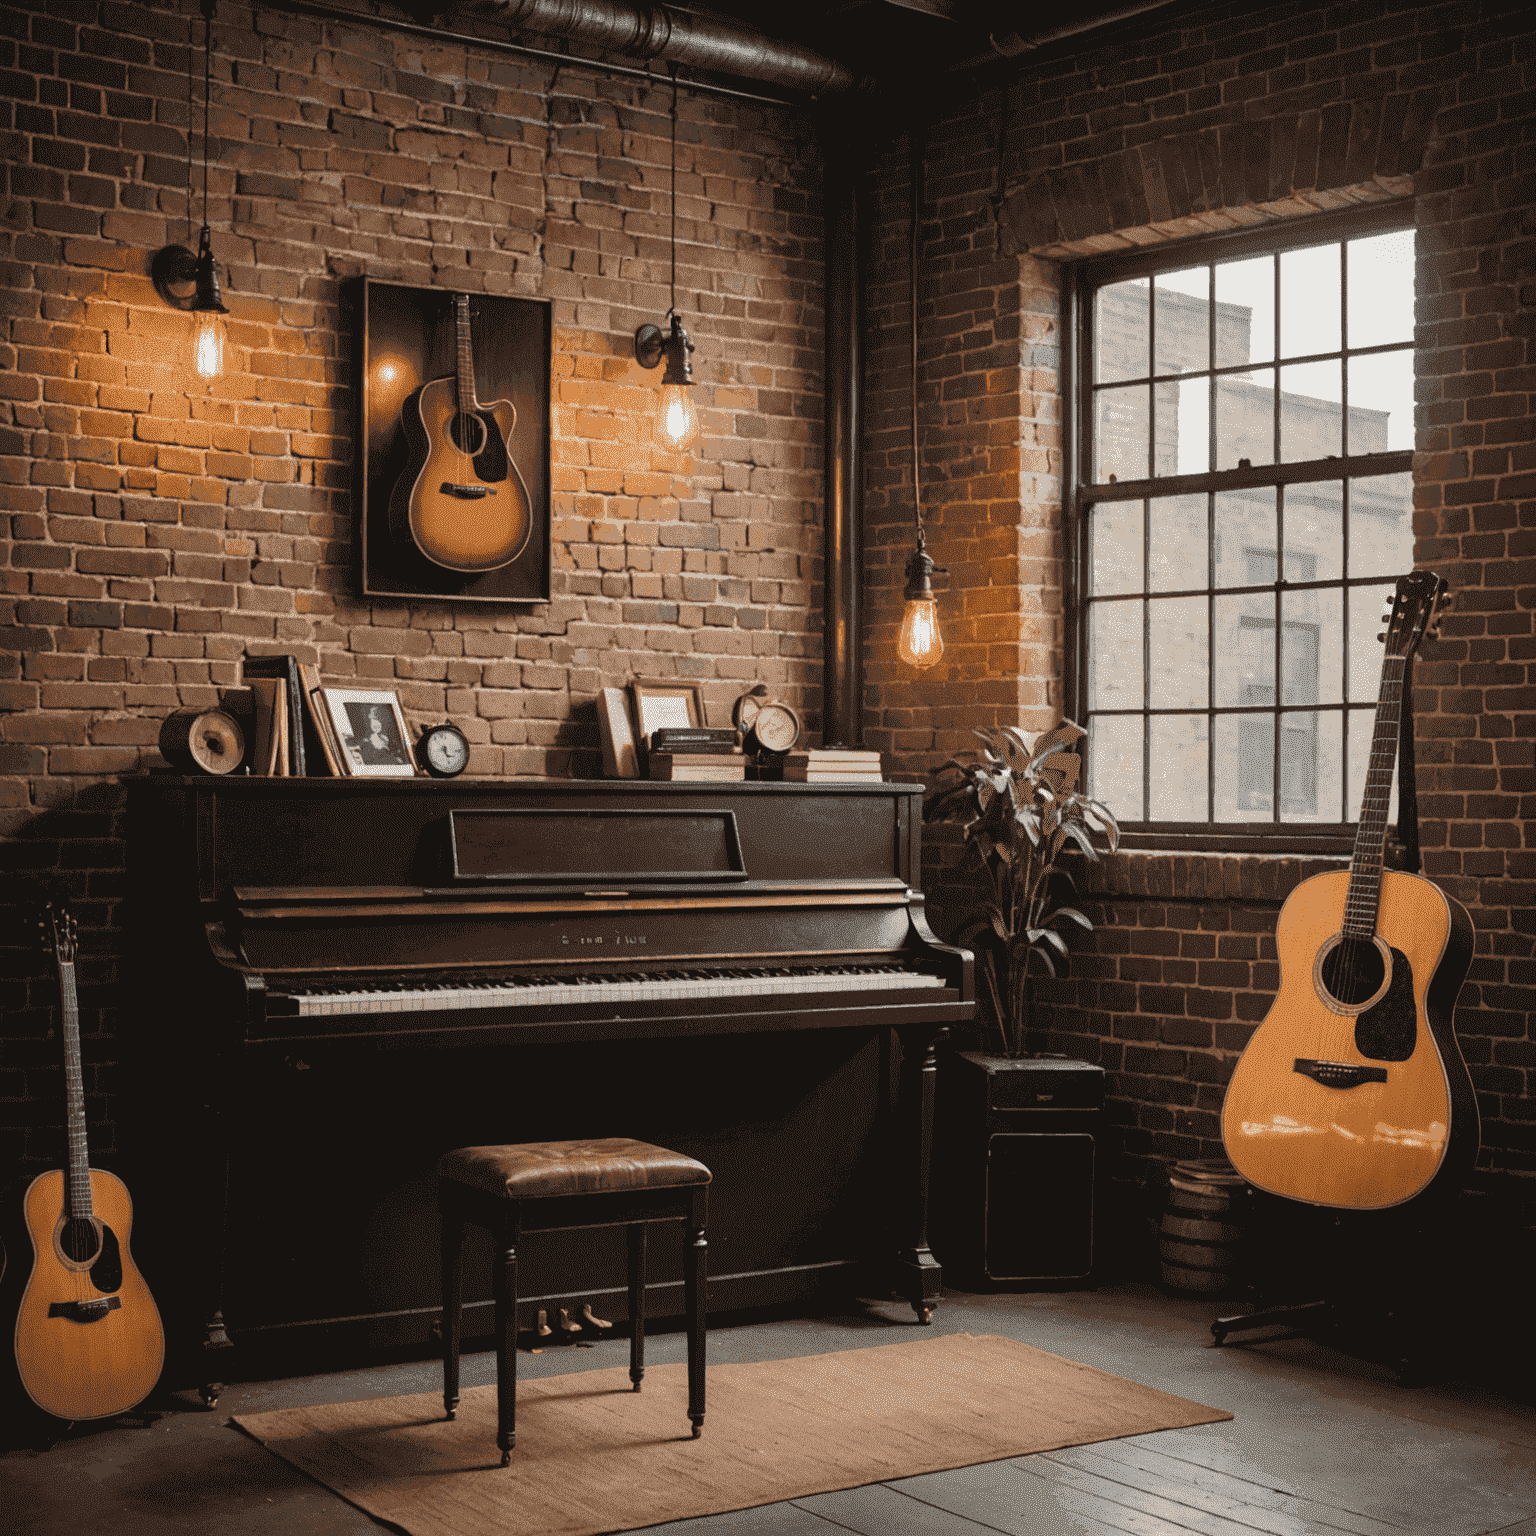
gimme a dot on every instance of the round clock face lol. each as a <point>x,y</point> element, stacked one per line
<point>746,708</point>
<point>776,727</point>
<point>444,751</point>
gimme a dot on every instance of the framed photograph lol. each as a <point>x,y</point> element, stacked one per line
<point>453,461</point>
<point>618,735</point>
<point>665,703</point>
<point>371,731</point>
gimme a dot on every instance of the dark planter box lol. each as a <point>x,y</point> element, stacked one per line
<point>1015,1168</point>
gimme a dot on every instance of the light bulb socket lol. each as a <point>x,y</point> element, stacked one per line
<point>652,345</point>
<point>920,568</point>
<point>188,282</point>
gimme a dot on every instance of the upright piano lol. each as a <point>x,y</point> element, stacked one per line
<point>335,980</point>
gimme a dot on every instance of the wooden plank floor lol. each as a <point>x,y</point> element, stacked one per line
<point>1321,1444</point>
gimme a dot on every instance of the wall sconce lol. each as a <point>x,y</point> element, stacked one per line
<point>919,644</point>
<point>677,421</point>
<point>187,282</point>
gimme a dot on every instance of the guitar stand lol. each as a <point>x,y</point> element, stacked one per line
<point>1292,1318</point>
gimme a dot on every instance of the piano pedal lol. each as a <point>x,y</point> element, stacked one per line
<point>566,1325</point>
<point>594,1321</point>
<point>543,1329</point>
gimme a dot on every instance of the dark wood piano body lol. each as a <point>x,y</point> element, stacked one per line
<point>251,897</point>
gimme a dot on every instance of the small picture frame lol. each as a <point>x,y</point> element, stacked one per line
<point>371,731</point>
<point>662,702</point>
<point>618,735</point>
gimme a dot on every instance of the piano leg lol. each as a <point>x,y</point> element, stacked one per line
<point>696,1262</point>
<point>919,1276</point>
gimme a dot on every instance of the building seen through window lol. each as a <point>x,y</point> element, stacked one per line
<point>1244,506</point>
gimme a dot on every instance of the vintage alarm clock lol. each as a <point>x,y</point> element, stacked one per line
<point>768,725</point>
<point>443,750</point>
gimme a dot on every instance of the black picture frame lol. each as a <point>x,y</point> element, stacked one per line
<point>407,336</point>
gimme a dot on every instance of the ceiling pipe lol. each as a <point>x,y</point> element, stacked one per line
<point>1011,44</point>
<point>661,32</point>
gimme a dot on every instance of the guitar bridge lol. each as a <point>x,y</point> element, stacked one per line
<point>1339,1074</point>
<point>465,492</point>
<point>85,1311</point>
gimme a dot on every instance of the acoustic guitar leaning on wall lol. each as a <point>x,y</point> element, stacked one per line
<point>1353,1092</point>
<point>88,1338</point>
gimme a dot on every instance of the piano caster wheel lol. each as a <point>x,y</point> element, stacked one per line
<point>451,1414</point>
<point>698,1429</point>
<point>209,1392</point>
<point>924,1316</point>
<point>506,1458</point>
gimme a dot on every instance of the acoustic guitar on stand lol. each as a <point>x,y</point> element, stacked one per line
<point>88,1338</point>
<point>1353,1092</point>
<point>460,500</point>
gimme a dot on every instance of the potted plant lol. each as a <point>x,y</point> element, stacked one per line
<point>1017,1134</point>
<point>1018,799</point>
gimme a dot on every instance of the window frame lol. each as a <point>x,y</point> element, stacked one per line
<point>1083,278</point>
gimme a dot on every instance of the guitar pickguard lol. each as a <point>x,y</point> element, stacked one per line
<point>1389,1029</point>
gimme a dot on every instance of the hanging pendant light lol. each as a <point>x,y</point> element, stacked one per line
<point>677,419</point>
<point>185,281</point>
<point>919,644</point>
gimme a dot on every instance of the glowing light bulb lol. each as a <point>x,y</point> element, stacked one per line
<point>920,643</point>
<point>677,422</point>
<point>208,343</point>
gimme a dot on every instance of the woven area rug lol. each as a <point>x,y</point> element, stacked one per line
<point>593,1456</point>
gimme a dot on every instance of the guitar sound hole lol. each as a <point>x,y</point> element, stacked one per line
<point>78,1239</point>
<point>468,433</point>
<point>1353,971</point>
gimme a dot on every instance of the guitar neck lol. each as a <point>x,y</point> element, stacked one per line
<point>466,365</point>
<point>79,1173</point>
<point>1364,897</point>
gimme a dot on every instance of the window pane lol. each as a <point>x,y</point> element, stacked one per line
<point>1381,402</point>
<point>1381,289</point>
<point>1366,606</point>
<point>1245,650</point>
<point>1184,427</point>
<point>1314,532</point>
<point>1245,419</point>
<point>1183,321</point>
<point>1381,525</point>
<point>1310,754</point>
<point>1245,754</point>
<point>1309,301</point>
<point>1245,311</point>
<point>1121,421</point>
<point>1177,644</point>
<point>1177,546</point>
<point>1311,660</point>
<point>1114,655</point>
<point>1179,771</point>
<point>1114,548</point>
<point>1122,342</point>
<point>1114,764</point>
<point>1245,526</point>
<point>1311,411</point>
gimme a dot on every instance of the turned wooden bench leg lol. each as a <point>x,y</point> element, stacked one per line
<point>452,1218</point>
<point>695,1274</point>
<point>636,1235</point>
<point>506,1340</point>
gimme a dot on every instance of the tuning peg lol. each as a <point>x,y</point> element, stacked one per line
<point>1381,639</point>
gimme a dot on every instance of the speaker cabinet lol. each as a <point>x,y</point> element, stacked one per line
<point>1015,1167</point>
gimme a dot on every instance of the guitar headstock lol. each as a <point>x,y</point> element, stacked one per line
<point>1418,603</point>
<point>58,926</point>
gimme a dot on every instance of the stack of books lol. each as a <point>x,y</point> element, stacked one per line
<point>701,753</point>
<point>831,765</point>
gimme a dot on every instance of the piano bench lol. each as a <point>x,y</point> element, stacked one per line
<point>546,1186</point>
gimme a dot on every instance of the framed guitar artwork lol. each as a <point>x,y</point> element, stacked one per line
<point>453,392</point>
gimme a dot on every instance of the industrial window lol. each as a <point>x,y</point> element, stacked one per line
<point>1242,504</point>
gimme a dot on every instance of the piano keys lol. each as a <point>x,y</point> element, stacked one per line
<point>739,970</point>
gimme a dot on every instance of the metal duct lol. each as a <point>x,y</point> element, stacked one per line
<point>1010,45</point>
<point>678,37</point>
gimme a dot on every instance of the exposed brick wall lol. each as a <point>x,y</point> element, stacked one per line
<point>156,530</point>
<point>1233,116</point>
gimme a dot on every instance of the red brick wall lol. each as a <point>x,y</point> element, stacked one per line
<point>1228,117</point>
<point>156,530</point>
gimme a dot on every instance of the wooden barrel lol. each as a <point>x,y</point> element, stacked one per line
<point>1204,1227</point>
<point>202,741</point>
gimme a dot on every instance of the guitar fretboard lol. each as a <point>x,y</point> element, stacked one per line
<point>466,367</point>
<point>1363,901</point>
<point>79,1176</point>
